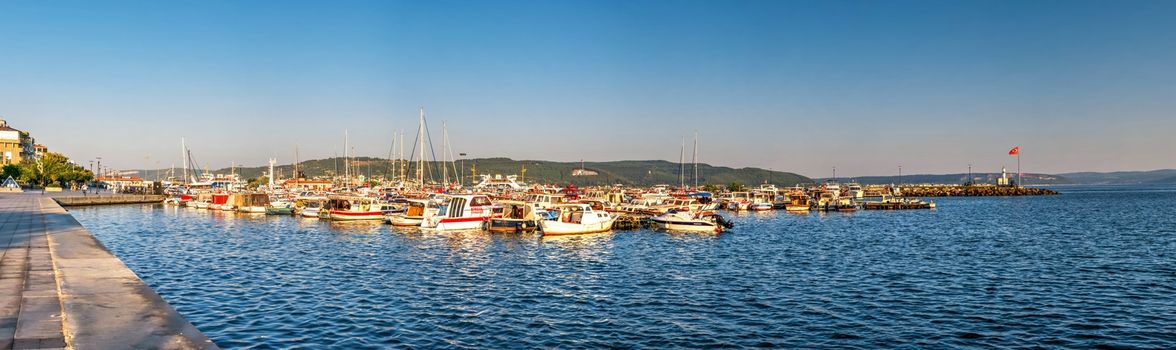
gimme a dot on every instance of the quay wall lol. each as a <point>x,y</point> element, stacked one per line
<point>76,294</point>
<point>973,191</point>
<point>104,199</point>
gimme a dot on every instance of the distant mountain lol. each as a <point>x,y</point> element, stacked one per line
<point>979,178</point>
<point>629,172</point>
<point>1164,176</point>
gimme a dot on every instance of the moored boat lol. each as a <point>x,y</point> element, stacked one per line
<point>575,219</point>
<point>462,212</point>
<point>516,216</point>
<point>353,208</point>
<point>691,222</point>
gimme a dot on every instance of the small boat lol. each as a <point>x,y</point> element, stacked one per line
<point>310,206</point>
<point>280,207</point>
<point>797,201</point>
<point>353,208</point>
<point>462,212</point>
<point>692,222</point>
<point>574,219</point>
<point>516,216</point>
<point>414,213</point>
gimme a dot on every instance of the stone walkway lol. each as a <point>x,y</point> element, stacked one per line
<point>61,288</point>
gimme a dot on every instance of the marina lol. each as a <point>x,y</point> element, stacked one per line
<point>778,279</point>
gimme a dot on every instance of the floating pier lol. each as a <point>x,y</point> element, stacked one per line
<point>61,288</point>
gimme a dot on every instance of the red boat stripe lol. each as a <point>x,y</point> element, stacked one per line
<point>478,218</point>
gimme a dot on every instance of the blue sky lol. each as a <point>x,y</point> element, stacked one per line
<point>789,85</point>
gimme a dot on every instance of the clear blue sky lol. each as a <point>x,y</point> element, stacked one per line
<point>789,85</point>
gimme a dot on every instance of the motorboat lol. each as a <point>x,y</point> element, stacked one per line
<point>691,221</point>
<point>280,207</point>
<point>462,212</point>
<point>577,218</point>
<point>415,212</point>
<point>517,216</point>
<point>353,208</point>
<point>309,207</point>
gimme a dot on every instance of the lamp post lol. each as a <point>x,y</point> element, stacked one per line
<point>969,182</point>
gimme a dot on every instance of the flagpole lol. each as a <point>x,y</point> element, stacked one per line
<point>1019,183</point>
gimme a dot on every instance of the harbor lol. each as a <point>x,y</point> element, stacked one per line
<point>779,278</point>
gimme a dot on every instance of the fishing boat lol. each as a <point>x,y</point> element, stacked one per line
<point>414,213</point>
<point>517,216</point>
<point>253,202</point>
<point>576,219</point>
<point>462,212</point>
<point>797,201</point>
<point>220,201</point>
<point>691,222</point>
<point>353,208</point>
<point>761,201</point>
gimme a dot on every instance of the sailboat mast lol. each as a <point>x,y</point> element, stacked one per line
<point>682,164</point>
<point>346,161</point>
<point>184,155</point>
<point>401,160</point>
<point>444,153</point>
<point>421,140</point>
<point>694,159</point>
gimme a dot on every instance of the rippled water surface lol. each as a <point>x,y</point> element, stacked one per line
<point>1091,267</point>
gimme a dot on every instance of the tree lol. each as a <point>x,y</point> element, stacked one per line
<point>258,181</point>
<point>12,170</point>
<point>711,188</point>
<point>736,187</point>
<point>53,168</point>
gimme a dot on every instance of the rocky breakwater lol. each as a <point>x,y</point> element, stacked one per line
<point>974,191</point>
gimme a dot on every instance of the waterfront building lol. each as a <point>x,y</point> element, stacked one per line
<point>40,150</point>
<point>16,146</point>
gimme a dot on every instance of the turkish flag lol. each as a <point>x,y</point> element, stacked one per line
<point>1015,151</point>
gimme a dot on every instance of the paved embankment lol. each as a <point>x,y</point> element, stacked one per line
<point>60,287</point>
<point>103,199</point>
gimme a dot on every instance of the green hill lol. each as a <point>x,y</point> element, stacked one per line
<point>628,172</point>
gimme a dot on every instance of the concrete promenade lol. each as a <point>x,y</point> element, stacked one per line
<point>61,288</point>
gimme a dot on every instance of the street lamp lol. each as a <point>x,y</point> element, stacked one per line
<point>461,179</point>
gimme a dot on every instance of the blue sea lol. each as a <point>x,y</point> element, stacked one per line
<point>1092,267</point>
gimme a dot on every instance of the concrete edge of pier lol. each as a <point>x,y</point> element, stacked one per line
<point>78,294</point>
<point>106,199</point>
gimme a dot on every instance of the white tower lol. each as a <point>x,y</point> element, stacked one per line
<point>272,161</point>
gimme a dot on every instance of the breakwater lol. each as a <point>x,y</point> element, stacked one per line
<point>973,191</point>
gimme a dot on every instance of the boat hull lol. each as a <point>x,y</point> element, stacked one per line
<point>690,226</point>
<point>310,212</point>
<point>512,225</point>
<point>557,228</point>
<point>453,224</point>
<point>279,211</point>
<point>404,220</point>
<point>339,215</point>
